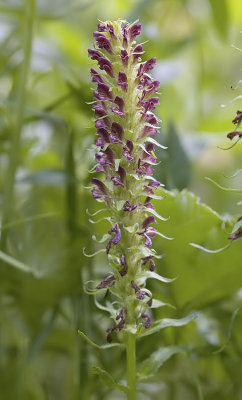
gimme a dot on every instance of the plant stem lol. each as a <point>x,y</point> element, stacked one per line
<point>28,23</point>
<point>131,365</point>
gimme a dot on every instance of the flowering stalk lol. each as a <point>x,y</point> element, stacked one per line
<point>237,231</point>
<point>124,101</point>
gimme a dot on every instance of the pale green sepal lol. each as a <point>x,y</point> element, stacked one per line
<point>158,303</point>
<point>102,347</point>
<point>97,212</point>
<point>117,162</point>
<point>208,250</point>
<point>224,188</point>
<point>164,236</point>
<point>120,204</point>
<point>150,366</point>
<point>151,140</point>
<point>153,196</point>
<point>103,239</point>
<point>133,228</point>
<point>93,254</point>
<point>156,214</point>
<point>235,174</point>
<point>237,226</point>
<point>164,323</point>
<point>154,275</point>
<point>108,379</point>
<point>91,291</point>
<point>100,220</point>
<point>15,263</point>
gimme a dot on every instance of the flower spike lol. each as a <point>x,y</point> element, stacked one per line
<point>125,156</point>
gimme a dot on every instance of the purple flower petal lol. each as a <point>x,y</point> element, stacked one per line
<point>94,54</point>
<point>148,204</point>
<point>111,30</point>
<point>128,207</point>
<point>128,149</point>
<point>152,265</point>
<point>141,295</point>
<point>137,51</point>
<point>100,109</point>
<point>115,229</point>
<point>125,36</point>
<point>148,189</point>
<point>150,118</point>
<point>103,92</point>
<point>134,31</point>
<point>122,316</point>
<point>96,77</point>
<point>120,103</point>
<point>155,184</point>
<point>124,270</point>
<point>102,41</point>
<point>101,186</point>
<point>116,181</point>
<point>148,320</point>
<point>101,27</point>
<point>117,130</point>
<point>148,241</point>
<point>105,65</point>
<point>122,80</point>
<point>122,174</point>
<point>148,221</point>
<point>106,282</point>
<point>124,57</point>
<point>135,286</point>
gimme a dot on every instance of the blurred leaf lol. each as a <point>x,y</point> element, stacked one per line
<point>108,379</point>
<point>150,366</point>
<point>220,17</point>
<point>202,277</point>
<point>15,263</point>
<point>179,173</point>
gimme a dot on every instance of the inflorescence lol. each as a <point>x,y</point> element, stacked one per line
<point>125,123</point>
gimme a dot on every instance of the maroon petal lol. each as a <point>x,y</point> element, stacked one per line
<point>122,80</point>
<point>111,30</point>
<point>137,51</point>
<point>134,31</point>
<point>102,41</point>
<point>117,130</point>
<point>106,65</point>
<point>106,282</point>
<point>148,221</point>
<point>101,27</point>
<point>120,103</point>
<point>94,54</point>
<point>124,57</point>
<point>96,77</point>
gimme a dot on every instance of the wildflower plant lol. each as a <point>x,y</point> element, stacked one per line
<point>124,100</point>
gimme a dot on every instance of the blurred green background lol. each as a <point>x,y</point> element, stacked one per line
<point>46,150</point>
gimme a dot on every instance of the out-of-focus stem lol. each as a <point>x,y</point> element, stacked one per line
<point>131,365</point>
<point>28,24</point>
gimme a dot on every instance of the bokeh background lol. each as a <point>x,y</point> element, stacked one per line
<point>46,150</point>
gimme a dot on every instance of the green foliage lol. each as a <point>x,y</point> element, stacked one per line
<point>46,137</point>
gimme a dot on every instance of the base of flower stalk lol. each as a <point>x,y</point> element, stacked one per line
<point>131,365</point>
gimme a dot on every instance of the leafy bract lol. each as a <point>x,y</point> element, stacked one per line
<point>150,366</point>
<point>108,379</point>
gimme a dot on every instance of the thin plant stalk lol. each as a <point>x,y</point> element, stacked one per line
<point>131,365</point>
<point>28,23</point>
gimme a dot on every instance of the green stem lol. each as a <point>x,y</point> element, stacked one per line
<point>28,23</point>
<point>131,365</point>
